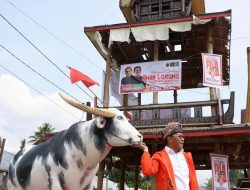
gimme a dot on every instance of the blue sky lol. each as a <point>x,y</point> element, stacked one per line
<point>22,109</point>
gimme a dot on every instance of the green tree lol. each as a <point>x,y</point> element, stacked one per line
<point>235,175</point>
<point>41,132</point>
<point>208,185</point>
<point>114,175</point>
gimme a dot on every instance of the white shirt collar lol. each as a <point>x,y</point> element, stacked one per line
<point>171,151</point>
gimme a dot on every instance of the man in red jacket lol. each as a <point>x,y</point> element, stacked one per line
<point>174,169</point>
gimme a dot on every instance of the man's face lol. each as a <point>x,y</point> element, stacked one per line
<point>128,72</point>
<point>177,141</point>
<point>138,72</point>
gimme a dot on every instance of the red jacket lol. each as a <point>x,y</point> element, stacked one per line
<point>160,166</point>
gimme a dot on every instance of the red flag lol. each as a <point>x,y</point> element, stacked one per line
<point>76,76</point>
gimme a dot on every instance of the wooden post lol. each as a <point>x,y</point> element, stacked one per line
<point>88,115</point>
<point>247,119</point>
<point>211,90</point>
<point>245,173</point>
<point>153,179</point>
<point>183,11</point>
<point>198,7</point>
<point>156,58</point>
<point>217,148</point>
<point>219,107</point>
<point>122,176</point>
<point>136,183</point>
<point>125,102</point>
<point>107,79</point>
<point>139,104</point>
<point>175,96</point>
<point>100,173</point>
<point>2,143</point>
<point>95,102</point>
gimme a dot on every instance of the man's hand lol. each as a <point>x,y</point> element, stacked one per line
<point>143,147</point>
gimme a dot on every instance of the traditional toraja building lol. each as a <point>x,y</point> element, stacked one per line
<point>154,30</point>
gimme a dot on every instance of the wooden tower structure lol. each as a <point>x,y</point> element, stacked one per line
<point>189,27</point>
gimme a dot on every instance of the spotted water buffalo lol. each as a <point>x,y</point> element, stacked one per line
<point>69,161</point>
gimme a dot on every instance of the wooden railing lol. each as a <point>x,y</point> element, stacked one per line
<point>187,113</point>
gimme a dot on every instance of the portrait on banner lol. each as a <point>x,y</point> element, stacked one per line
<point>212,70</point>
<point>220,172</point>
<point>150,76</point>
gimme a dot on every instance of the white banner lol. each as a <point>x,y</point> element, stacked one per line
<point>212,70</point>
<point>220,172</point>
<point>150,76</point>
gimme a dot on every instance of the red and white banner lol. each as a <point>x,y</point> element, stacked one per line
<point>150,76</point>
<point>220,172</point>
<point>212,70</point>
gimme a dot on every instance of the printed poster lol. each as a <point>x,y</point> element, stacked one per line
<point>220,172</point>
<point>150,76</point>
<point>212,70</point>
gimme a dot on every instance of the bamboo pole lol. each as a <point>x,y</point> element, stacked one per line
<point>95,96</point>
<point>100,173</point>
<point>247,119</point>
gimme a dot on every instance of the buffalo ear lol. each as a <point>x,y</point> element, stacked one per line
<point>101,122</point>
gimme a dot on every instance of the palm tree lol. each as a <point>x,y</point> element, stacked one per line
<point>40,133</point>
<point>22,144</point>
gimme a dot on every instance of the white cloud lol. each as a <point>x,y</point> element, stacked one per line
<point>21,112</point>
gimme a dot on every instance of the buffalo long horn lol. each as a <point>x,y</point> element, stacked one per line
<point>95,111</point>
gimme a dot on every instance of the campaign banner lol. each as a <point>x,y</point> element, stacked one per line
<point>150,76</point>
<point>212,70</point>
<point>220,172</point>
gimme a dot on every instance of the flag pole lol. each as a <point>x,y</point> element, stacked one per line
<point>79,78</point>
<point>95,96</point>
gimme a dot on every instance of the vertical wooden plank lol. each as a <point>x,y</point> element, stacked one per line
<point>122,174</point>
<point>88,115</point>
<point>219,107</point>
<point>139,103</point>
<point>156,58</point>
<point>183,12</point>
<point>125,103</point>
<point>2,143</point>
<point>160,9</point>
<point>150,10</point>
<point>217,148</point>
<point>197,111</point>
<point>136,183</point>
<point>198,7</point>
<point>247,119</point>
<point>171,7</point>
<point>175,96</point>
<point>211,90</point>
<point>107,79</point>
